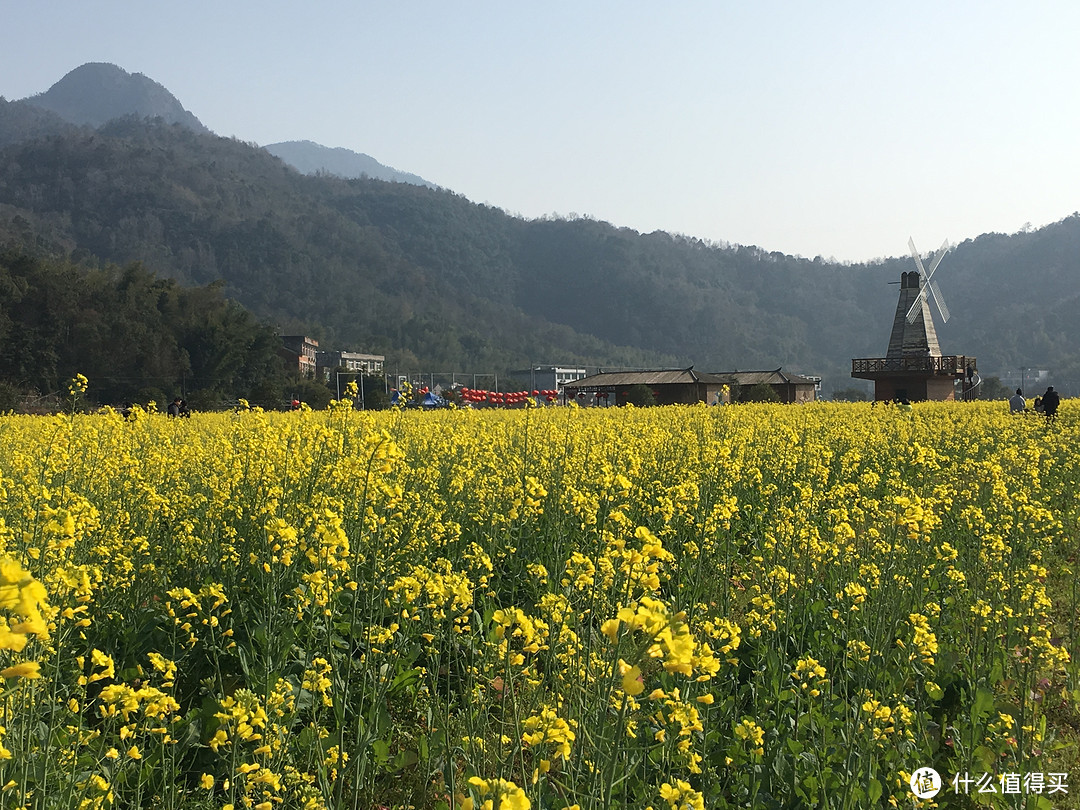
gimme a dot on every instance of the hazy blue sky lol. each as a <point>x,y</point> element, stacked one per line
<point>831,128</point>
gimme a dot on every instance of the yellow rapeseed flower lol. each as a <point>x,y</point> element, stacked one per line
<point>27,669</point>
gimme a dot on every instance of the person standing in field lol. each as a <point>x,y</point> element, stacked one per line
<point>174,407</point>
<point>1017,404</point>
<point>1050,402</point>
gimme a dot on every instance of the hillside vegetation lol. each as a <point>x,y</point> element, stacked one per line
<point>434,280</point>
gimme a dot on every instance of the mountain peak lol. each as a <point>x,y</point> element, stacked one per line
<point>99,91</point>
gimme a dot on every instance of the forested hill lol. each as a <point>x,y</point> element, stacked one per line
<point>350,261</point>
<point>432,279</point>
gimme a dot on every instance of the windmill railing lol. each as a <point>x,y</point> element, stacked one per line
<point>947,366</point>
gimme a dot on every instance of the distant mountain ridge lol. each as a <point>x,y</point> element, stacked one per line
<point>308,157</point>
<point>98,92</point>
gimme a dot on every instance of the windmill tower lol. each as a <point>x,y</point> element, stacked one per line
<point>913,367</point>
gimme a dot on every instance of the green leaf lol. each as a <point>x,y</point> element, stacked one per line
<point>874,790</point>
<point>983,705</point>
<point>404,680</point>
<point>405,759</point>
<point>985,757</point>
<point>382,751</point>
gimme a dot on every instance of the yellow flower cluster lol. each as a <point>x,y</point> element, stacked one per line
<point>25,598</point>
<point>809,675</point>
<point>681,796</point>
<point>495,794</point>
<point>752,734</point>
<point>923,639</point>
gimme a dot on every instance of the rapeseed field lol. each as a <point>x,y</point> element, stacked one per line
<point>682,607</point>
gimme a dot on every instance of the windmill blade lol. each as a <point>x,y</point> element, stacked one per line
<point>939,300</point>
<point>938,257</point>
<point>915,255</point>
<point>935,293</point>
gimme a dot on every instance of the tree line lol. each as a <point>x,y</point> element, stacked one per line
<point>135,335</point>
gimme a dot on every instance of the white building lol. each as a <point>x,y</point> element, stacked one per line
<point>352,361</point>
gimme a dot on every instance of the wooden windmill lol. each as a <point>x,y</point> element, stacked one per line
<point>914,368</point>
